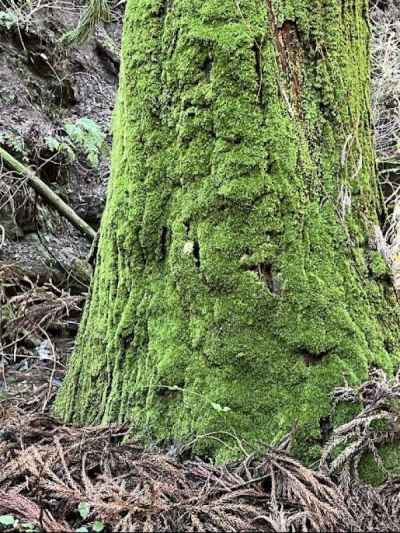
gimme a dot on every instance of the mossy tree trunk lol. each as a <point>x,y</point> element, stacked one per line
<point>237,281</point>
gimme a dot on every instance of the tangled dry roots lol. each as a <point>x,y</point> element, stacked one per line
<point>47,469</point>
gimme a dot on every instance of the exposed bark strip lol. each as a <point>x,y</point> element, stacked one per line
<point>289,51</point>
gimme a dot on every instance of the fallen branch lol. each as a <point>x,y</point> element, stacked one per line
<point>45,191</point>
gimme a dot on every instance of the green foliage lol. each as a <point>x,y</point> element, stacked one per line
<point>97,526</point>
<point>13,141</point>
<point>7,520</point>
<point>55,144</point>
<point>10,522</point>
<point>8,19</point>
<point>85,135</point>
<point>84,510</point>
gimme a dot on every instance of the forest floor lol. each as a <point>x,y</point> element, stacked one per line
<point>55,110</point>
<point>60,478</point>
<point>55,477</point>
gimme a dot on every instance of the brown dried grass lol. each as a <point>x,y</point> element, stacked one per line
<point>32,308</point>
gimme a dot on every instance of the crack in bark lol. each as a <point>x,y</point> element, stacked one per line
<point>164,241</point>
<point>265,274</point>
<point>258,59</point>
<point>313,358</point>
<point>290,53</point>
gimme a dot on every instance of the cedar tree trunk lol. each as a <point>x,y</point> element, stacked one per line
<point>237,281</point>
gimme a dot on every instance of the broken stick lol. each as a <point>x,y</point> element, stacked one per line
<point>45,191</point>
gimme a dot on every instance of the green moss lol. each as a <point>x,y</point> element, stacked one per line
<point>345,412</point>
<point>230,269</point>
<point>378,266</point>
<point>376,474</point>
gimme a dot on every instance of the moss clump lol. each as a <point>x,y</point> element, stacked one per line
<point>226,272</point>
<point>378,266</point>
<point>375,474</point>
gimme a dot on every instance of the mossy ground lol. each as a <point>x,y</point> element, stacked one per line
<point>234,287</point>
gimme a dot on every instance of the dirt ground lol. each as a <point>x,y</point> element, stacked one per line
<point>55,110</point>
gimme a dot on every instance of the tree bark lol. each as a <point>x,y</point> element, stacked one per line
<point>237,282</point>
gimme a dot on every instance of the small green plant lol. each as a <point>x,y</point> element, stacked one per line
<point>85,135</point>
<point>56,145</point>
<point>7,520</point>
<point>84,511</point>
<point>8,19</point>
<point>10,522</point>
<point>13,141</point>
<point>98,526</point>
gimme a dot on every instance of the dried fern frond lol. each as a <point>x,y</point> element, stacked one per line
<point>32,307</point>
<point>95,12</point>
